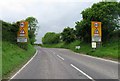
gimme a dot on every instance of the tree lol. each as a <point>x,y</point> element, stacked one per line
<point>51,38</point>
<point>68,35</point>
<point>33,23</point>
<point>9,31</point>
<point>33,26</point>
<point>106,12</point>
<point>83,30</point>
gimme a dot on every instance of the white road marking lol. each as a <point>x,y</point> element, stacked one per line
<point>82,72</point>
<point>99,58</point>
<point>24,65</point>
<point>60,57</point>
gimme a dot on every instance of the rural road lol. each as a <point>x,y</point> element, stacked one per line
<point>54,63</point>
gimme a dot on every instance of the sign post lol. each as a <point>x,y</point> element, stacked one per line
<point>96,34</point>
<point>22,35</point>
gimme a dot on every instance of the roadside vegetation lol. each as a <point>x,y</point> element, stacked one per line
<point>108,13</point>
<point>109,50</point>
<point>13,57</point>
<point>16,54</point>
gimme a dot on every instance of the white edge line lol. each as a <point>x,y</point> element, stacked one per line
<point>60,57</point>
<point>99,58</point>
<point>82,72</point>
<point>24,65</point>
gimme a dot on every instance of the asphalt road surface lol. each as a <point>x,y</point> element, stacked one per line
<point>54,63</point>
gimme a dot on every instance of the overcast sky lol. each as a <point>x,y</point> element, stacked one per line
<point>53,15</point>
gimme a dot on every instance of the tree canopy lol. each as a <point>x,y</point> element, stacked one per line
<point>68,35</point>
<point>33,23</point>
<point>51,38</point>
<point>33,26</point>
<point>106,12</point>
<point>9,31</point>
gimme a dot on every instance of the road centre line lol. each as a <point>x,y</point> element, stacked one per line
<point>24,66</point>
<point>60,57</point>
<point>82,72</point>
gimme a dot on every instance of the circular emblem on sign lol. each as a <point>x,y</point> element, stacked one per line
<point>96,24</point>
<point>22,24</point>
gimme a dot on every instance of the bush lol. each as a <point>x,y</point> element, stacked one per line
<point>51,38</point>
<point>68,35</point>
<point>9,32</point>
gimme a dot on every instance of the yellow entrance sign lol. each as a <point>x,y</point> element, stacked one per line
<point>23,32</point>
<point>96,31</point>
<point>23,29</point>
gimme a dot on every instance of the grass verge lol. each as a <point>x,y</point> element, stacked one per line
<point>108,50</point>
<point>13,57</point>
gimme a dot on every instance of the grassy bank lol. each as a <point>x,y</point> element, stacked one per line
<point>108,50</point>
<point>0,59</point>
<point>13,57</point>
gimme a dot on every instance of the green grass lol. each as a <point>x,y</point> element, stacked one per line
<point>108,50</point>
<point>13,57</point>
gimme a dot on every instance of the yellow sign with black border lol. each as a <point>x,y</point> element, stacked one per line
<point>22,34</point>
<point>96,32</point>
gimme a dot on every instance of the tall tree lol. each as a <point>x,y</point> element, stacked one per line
<point>83,30</point>
<point>33,23</point>
<point>33,26</point>
<point>68,35</point>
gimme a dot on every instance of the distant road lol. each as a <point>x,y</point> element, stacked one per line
<point>54,63</point>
